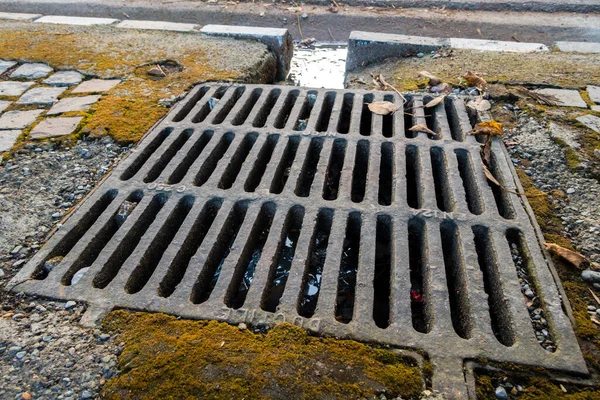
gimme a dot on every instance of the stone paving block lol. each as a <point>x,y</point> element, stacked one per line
<point>158,25</point>
<point>14,88</point>
<point>8,139</point>
<point>59,19</point>
<point>32,71</point>
<point>594,92</point>
<point>4,105</point>
<point>578,47</point>
<point>41,95</point>
<point>566,134</point>
<point>6,65</point>
<point>496,45</point>
<point>73,104</point>
<point>53,127</point>
<point>565,97</point>
<point>591,121</point>
<point>64,78</point>
<point>96,86</point>
<point>596,108</point>
<point>18,119</point>
<point>19,16</point>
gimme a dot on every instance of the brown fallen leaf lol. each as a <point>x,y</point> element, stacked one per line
<point>435,101</point>
<point>490,127</point>
<point>474,80</point>
<point>379,81</point>
<point>491,178</point>
<point>423,128</point>
<point>575,259</point>
<point>383,107</point>
<point>486,151</point>
<point>594,296</point>
<point>544,99</point>
<point>433,80</point>
<point>595,320</point>
<point>156,71</point>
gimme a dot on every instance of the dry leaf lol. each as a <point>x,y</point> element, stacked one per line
<point>490,127</point>
<point>479,104</point>
<point>383,107</point>
<point>433,80</point>
<point>575,259</point>
<point>486,151</point>
<point>594,295</point>
<point>544,99</point>
<point>379,81</point>
<point>156,71</point>
<point>491,178</point>
<point>474,80</point>
<point>435,101</point>
<point>594,320</point>
<point>423,128</point>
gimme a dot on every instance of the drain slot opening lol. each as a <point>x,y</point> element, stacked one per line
<point>244,270</point>
<point>334,169</point>
<point>192,243</point>
<point>419,276</point>
<point>210,104</point>
<point>309,169</point>
<point>260,165</point>
<point>325,114</point>
<point>366,117</point>
<point>499,314</point>
<point>111,268</point>
<point>168,155</point>
<point>283,169</point>
<point>280,269</point>
<point>431,119</point>
<point>359,174</point>
<point>263,114</point>
<point>305,111</point>
<point>388,120</point>
<point>235,165</point>
<point>346,289</point>
<point>505,208</point>
<point>237,93</point>
<point>146,154</point>
<point>346,113</point>
<point>453,119</point>
<point>383,270</point>
<point>210,164</point>
<point>211,270</point>
<point>190,104</point>
<point>286,109</point>
<point>443,193</point>
<point>386,174</point>
<point>241,116</point>
<point>465,169</point>
<point>317,252</point>
<point>190,157</point>
<point>414,193</point>
<point>409,118</point>
<point>456,279</point>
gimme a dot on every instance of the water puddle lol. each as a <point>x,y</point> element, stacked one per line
<point>319,66</point>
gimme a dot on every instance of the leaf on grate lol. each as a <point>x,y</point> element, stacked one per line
<point>490,127</point>
<point>545,99</point>
<point>491,178</point>
<point>383,107</point>
<point>435,101</point>
<point>475,80</point>
<point>433,80</point>
<point>479,104</point>
<point>573,258</point>
<point>423,128</point>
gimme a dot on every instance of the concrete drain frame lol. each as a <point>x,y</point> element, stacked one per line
<point>264,204</point>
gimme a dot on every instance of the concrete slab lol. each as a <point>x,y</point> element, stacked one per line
<point>4,105</point>
<point>11,89</point>
<point>59,19</point>
<point>19,16</point>
<point>64,78</point>
<point>578,47</point>
<point>18,119</point>
<point>496,45</point>
<point>158,25</point>
<point>6,65</point>
<point>53,127</point>
<point>565,97</point>
<point>8,139</point>
<point>41,95</point>
<point>32,71</point>
<point>594,92</point>
<point>596,108</point>
<point>96,86</point>
<point>278,40</point>
<point>69,104</point>
<point>566,134</point>
<point>591,121</point>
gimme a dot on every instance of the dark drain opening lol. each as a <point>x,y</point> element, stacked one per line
<point>453,119</point>
<point>74,235</point>
<point>210,104</point>
<point>263,114</point>
<point>283,169</point>
<point>383,270</point>
<point>386,174</point>
<point>246,266</point>
<point>443,193</point>
<point>168,155</point>
<point>344,306</point>
<point>149,261</point>
<point>280,269</point>
<point>260,165</point>
<point>431,119</point>
<point>456,279</point>
<point>190,158</point>
<point>145,154</point>
<point>346,113</point>
<point>226,109</point>
<point>309,169</point>
<point>502,197</point>
<point>420,303</point>
<point>305,111</point>
<point>311,283</point>
<point>359,174</point>
<point>409,116</point>
<point>366,117</point>
<point>286,109</point>
<point>126,247</point>
<point>388,120</point>
<point>190,104</point>
<point>325,114</point>
<point>212,160</point>
<point>235,165</point>
<point>192,243</point>
<point>212,267</point>
<point>499,314</point>
<point>334,169</point>
<point>465,169</point>
<point>414,194</point>
<point>95,246</point>
<point>241,116</point>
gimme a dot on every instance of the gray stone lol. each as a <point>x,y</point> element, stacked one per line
<point>566,134</point>
<point>18,119</point>
<point>21,354</point>
<point>501,393</point>
<point>96,86</point>
<point>578,47</point>
<point>590,276</point>
<point>6,65</point>
<point>41,95</point>
<point>570,190</point>
<point>86,395</point>
<point>32,71</point>
<point>64,78</point>
<point>4,105</point>
<point>70,304</point>
<point>591,121</point>
<point>12,89</point>
<point>529,293</point>
<point>8,139</point>
<point>53,127</point>
<point>60,19</point>
<point>73,104</point>
<point>19,16</point>
<point>157,25</point>
<point>565,97</point>
<point>594,92</point>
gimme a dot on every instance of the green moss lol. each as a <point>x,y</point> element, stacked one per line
<point>168,358</point>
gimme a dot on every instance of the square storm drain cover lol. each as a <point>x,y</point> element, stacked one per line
<point>265,204</point>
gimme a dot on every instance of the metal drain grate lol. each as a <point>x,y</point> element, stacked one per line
<point>265,204</point>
